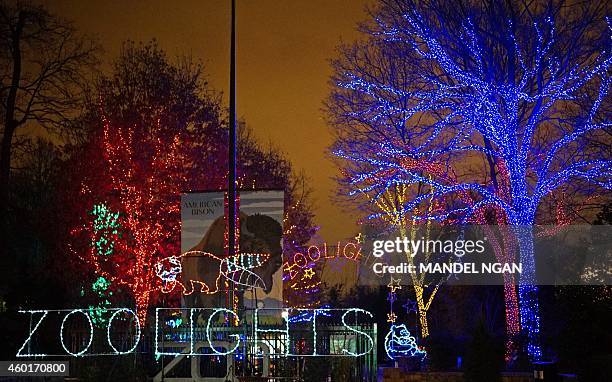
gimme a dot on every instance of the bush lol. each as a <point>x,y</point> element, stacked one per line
<point>485,357</point>
<point>596,368</point>
<point>442,351</point>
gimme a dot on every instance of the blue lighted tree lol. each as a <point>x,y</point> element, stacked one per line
<point>508,97</point>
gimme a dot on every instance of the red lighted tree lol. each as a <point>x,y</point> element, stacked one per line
<point>156,131</point>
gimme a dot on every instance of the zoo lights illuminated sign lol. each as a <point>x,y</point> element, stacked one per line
<point>314,253</point>
<point>211,334</point>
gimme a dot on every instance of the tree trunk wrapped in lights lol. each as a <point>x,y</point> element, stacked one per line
<point>390,204</point>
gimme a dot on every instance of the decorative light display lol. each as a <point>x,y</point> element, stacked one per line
<point>156,334</point>
<point>168,271</point>
<point>175,321</point>
<point>91,333</point>
<point>360,238</point>
<point>208,325</point>
<point>308,315</point>
<point>392,297</point>
<point>316,253</point>
<point>105,229</point>
<point>503,244</point>
<point>313,313</point>
<point>259,333</point>
<point>410,306</point>
<point>108,331</point>
<point>283,332</point>
<point>308,273</point>
<point>139,221</point>
<point>98,313</point>
<point>454,107</point>
<point>370,340</point>
<point>105,233</point>
<point>391,204</point>
<point>298,231</point>
<point>394,285</point>
<point>139,168</point>
<point>233,270</point>
<point>140,165</point>
<point>62,331</point>
<point>302,283</point>
<point>27,341</point>
<point>400,343</point>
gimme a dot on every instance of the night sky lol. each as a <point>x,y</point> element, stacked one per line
<point>283,48</point>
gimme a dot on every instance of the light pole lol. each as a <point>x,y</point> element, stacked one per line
<point>231,189</point>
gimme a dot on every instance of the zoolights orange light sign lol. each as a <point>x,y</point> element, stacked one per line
<point>350,250</point>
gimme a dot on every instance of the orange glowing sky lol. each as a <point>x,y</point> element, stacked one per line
<point>283,48</point>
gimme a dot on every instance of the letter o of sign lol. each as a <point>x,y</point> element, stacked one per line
<point>310,253</point>
<point>302,259</point>
<point>91,332</point>
<point>108,329</point>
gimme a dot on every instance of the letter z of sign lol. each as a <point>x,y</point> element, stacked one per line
<point>44,312</point>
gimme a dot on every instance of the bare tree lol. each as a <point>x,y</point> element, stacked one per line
<point>44,63</point>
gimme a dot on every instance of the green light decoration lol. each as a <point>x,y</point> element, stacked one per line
<point>105,230</point>
<point>100,286</point>
<point>99,313</point>
<point>105,226</point>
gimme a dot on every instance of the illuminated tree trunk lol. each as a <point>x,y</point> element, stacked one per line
<point>504,252</point>
<point>424,308</point>
<point>528,292</point>
<point>142,305</point>
<point>422,312</point>
<point>504,247</point>
<point>513,327</point>
<point>423,303</point>
<point>522,218</point>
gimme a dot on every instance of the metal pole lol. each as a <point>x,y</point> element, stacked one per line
<point>231,195</point>
<point>231,189</point>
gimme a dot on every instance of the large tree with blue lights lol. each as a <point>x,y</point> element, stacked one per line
<point>508,97</point>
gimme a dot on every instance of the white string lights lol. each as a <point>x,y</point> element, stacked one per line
<point>237,336</point>
<point>63,326</point>
<point>108,330</point>
<point>258,334</point>
<point>357,310</point>
<point>32,312</point>
<point>91,332</point>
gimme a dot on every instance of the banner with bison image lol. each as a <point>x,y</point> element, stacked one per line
<point>202,232</point>
<point>204,272</point>
<point>263,231</point>
<point>198,213</point>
